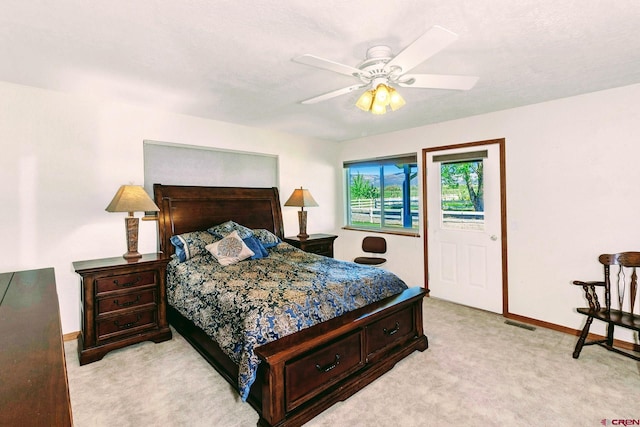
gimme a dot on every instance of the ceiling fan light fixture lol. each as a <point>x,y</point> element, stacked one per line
<point>396,101</point>
<point>382,95</point>
<point>378,109</point>
<point>365,100</point>
<point>376,100</point>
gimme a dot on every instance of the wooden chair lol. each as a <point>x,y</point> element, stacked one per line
<point>372,245</point>
<point>624,315</point>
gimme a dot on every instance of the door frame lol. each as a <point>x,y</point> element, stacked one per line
<point>503,211</point>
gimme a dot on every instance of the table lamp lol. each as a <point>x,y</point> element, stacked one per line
<point>302,198</point>
<point>131,198</point>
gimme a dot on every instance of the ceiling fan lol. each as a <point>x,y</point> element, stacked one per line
<point>381,70</point>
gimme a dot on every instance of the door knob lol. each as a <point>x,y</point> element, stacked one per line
<point>494,237</point>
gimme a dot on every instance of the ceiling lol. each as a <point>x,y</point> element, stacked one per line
<point>231,60</point>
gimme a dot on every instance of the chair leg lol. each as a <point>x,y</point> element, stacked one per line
<point>610,327</point>
<point>583,338</point>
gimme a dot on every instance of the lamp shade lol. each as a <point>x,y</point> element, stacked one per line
<point>302,198</point>
<point>131,198</point>
<point>395,101</point>
<point>365,100</point>
<point>382,95</point>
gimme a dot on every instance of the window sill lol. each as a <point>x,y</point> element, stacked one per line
<point>383,231</point>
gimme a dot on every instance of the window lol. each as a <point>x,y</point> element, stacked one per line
<point>382,194</point>
<point>462,190</point>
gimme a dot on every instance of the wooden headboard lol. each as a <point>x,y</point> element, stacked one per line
<point>191,208</point>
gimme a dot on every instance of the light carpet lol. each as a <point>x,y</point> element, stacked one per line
<point>478,371</point>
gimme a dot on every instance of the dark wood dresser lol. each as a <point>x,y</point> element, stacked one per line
<point>33,379</point>
<point>321,244</point>
<point>123,303</point>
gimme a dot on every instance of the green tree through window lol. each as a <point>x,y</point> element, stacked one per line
<point>469,176</point>
<point>363,189</point>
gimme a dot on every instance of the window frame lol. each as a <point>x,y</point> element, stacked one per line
<point>410,160</point>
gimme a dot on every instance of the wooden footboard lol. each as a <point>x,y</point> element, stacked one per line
<point>307,372</point>
<point>303,374</point>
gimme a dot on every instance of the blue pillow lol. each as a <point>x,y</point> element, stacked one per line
<point>178,243</point>
<point>188,245</point>
<point>256,247</point>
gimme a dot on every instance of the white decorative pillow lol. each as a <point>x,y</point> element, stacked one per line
<point>230,250</point>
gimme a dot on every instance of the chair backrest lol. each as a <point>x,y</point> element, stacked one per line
<point>374,244</point>
<point>626,278</point>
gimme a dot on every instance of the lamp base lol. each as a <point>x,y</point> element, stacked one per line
<point>302,222</point>
<point>132,256</point>
<point>131,225</point>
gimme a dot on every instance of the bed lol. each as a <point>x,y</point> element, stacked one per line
<point>302,373</point>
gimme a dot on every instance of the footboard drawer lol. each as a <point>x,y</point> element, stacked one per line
<point>389,330</point>
<point>316,371</point>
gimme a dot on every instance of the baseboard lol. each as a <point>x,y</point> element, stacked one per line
<point>531,321</point>
<point>576,332</point>
<point>71,336</point>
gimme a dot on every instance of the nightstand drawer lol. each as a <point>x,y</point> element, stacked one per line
<point>324,248</point>
<point>125,281</point>
<point>123,301</point>
<point>321,244</point>
<point>115,326</point>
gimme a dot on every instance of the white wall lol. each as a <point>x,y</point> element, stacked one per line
<point>572,174</point>
<point>573,167</point>
<point>64,157</point>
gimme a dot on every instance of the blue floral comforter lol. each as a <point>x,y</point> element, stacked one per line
<point>245,305</point>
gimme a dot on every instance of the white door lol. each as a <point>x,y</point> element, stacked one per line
<point>463,247</point>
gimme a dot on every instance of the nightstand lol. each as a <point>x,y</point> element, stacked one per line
<point>321,244</point>
<point>123,303</point>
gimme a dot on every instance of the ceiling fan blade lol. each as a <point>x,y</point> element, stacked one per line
<point>427,45</point>
<point>333,94</point>
<point>325,64</point>
<point>438,81</point>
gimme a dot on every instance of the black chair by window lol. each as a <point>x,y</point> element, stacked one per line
<point>375,246</point>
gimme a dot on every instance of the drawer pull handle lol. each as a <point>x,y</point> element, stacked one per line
<point>128,324</point>
<point>392,331</point>
<point>128,284</point>
<point>327,368</point>
<point>128,303</point>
